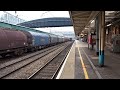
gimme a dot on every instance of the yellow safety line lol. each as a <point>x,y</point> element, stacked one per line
<point>83,65</point>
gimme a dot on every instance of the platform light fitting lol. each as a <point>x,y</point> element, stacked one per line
<point>109,24</point>
<point>92,21</point>
<point>86,28</point>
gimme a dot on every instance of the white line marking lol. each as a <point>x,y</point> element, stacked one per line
<point>60,72</point>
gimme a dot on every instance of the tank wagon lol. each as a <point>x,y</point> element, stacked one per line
<point>11,40</point>
<point>16,40</point>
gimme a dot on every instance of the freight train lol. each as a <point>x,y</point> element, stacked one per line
<point>16,40</point>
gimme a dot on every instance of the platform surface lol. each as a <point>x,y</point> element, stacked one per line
<point>82,63</point>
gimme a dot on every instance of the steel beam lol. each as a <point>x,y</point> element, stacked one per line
<point>91,17</point>
<point>101,37</point>
<point>97,34</point>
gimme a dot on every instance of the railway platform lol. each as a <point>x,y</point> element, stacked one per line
<point>82,63</point>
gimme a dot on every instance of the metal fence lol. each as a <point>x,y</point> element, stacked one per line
<point>9,18</point>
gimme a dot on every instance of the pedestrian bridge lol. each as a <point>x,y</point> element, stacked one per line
<point>48,22</point>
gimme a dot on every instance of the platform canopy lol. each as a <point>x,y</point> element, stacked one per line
<point>48,22</point>
<point>81,19</point>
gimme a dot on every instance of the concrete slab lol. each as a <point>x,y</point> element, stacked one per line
<point>76,65</point>
<point>111,62</point>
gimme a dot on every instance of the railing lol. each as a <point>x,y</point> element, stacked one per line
<point>9,18</point>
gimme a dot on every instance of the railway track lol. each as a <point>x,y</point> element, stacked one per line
<point>11,71</point>
<point>51,68</point>
<point>13,61</point>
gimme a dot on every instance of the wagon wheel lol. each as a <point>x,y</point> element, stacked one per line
<point>3,55</point>
<point>18,52</point>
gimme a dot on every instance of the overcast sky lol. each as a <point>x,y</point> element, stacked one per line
<point>31,15</point>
